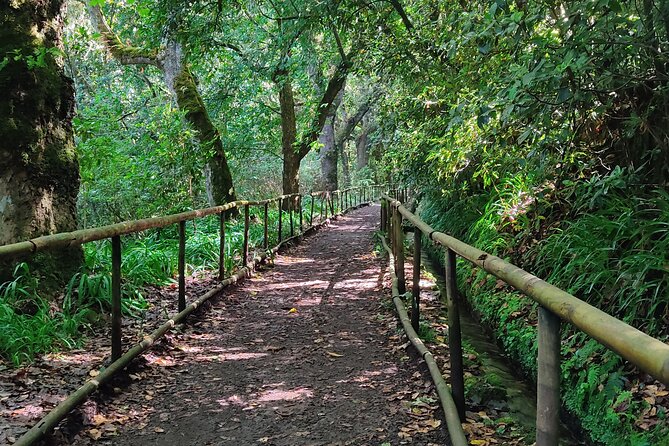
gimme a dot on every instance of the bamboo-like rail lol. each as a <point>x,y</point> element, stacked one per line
<point>455,431</point>
<point>114,232</point>
<point>649,354</point>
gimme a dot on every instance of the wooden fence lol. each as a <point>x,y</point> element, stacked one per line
<point>646,352</point>
<point>329,202</point>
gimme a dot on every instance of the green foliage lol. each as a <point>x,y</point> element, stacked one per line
<point>29,324</point>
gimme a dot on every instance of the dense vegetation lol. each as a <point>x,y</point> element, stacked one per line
<point>537,131</point>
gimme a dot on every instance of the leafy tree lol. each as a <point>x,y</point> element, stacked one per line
<point>171,61</point>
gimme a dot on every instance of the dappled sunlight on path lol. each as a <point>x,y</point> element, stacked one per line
<point>295,355</point>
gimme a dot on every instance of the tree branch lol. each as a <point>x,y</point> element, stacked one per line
<point>125,54</point>
<point>335,84</point>
<point>400,10</point>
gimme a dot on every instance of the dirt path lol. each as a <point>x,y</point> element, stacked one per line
<point>302,353</point>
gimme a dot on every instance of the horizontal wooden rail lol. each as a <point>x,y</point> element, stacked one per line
<point>81,236</point>
<point>453,423</point>
<point>120,359</point>
<point>644,351</point>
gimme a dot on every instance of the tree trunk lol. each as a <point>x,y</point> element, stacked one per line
<point>329,156</point>
<point>291,159</point>
<point>181,82</point>
<point>346,172</point>
<point>39,171</point>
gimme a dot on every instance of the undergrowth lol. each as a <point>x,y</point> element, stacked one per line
<point>612,251</point>
<point>32,323</point>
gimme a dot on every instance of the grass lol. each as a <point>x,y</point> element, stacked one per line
<point>31,325</point>
<point>612,252</point>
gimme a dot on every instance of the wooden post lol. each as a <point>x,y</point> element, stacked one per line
<point>332,204</point>
<point>454,334</point>
<point>245,246</point>
<point>311,214</point>
<point>383,215</point>
<point>325,203</point>
<point>299,203</point>
<point>116,298</point>
<point>221,247</point>
<point>266,227</point>
<point>280,202</point>
<point>415,309</point>
<point>548,379</point>
<point>182,266</point>
<point>399,252</point>
<point>321,211</point>
<point>290,215</point>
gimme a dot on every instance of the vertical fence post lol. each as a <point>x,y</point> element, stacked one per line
<point>383,215</point>
<point>299,203</point>
<point>454,334</point>
<point>548,379</point>
<point>415,290</point>
<point>322,195</point>
<point>221,247</point>
<point>399,255</point>
<point>116,298</point>
<point>182,266</point>
<point>325,203</point>
<point>280,204</point>
<point>265,239</point>
<point>331,200</point>
<point>311,214</point>
<point>245,246</point>
<point>291,206</point>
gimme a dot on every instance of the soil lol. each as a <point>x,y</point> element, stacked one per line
<point>304,352</point>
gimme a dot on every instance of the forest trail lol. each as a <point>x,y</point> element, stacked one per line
<point>300,354</point>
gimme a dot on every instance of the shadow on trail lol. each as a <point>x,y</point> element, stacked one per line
<point>295,355</point>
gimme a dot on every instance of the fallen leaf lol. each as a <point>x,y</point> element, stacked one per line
<point>159,430</point>
<point>334,355</point>
<point>95,434</point>
<point>292,310</point>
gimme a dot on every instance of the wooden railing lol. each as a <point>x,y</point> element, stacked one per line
<point>329,202</point>
<point>642,350</point>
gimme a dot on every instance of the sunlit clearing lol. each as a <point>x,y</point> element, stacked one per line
<point>366,375</point>
<point>231,356</point>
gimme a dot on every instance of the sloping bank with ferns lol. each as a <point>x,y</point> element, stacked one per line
<point>538,133</point>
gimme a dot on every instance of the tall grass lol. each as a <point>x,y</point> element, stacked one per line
<point>612,251</point>
<point>31,325</point>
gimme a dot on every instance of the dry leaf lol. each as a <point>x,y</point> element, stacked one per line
<point>334,355</point>
<point>95,434</point>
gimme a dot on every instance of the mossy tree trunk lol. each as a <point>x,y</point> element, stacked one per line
<point>39,171</point>
<point>291,159</point>
<point>294,151</point>
<point>180,81</point>
<point>362,144</point>
<point>329,155</point>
